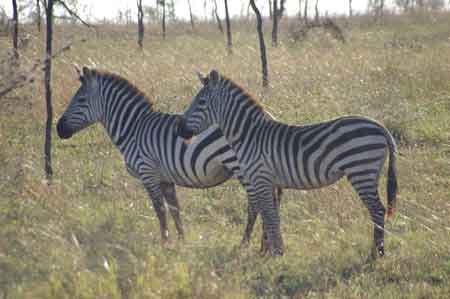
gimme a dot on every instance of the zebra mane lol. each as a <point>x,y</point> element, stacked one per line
<point>118,78</point>
<point>249,96</point>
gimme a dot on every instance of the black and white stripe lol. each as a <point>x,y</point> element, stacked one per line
<point>274,154</point>
<point>147,140</point>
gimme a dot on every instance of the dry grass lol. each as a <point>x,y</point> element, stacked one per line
<point>93,233</point>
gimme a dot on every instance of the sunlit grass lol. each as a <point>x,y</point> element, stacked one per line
<point>93,232</point>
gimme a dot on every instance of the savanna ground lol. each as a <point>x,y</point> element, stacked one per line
<point>94,234</point>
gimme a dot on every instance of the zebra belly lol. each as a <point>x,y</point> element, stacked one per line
<point>199,164</point>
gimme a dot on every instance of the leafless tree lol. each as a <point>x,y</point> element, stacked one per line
<point>190,14</point>
<point>216,15</point>
<point>277,14</point>
<point>48,90</point>
<point>140,24</point>
<point>305,12</point>
<point>300,9</point>
<point>227,20</point>
<point>270,9</point>
<point>163,3</point>
<point>262,46</point>
<point>15,34</point>
<point>350,9</point>
<point>38,15</point>
<point>316,9</point>
<point>275,24</point>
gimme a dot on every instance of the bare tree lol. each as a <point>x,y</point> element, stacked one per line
<point>216,15</point>
<point>163,23</point>
<point>15,34</point>
<point>270,9</point>
<point>227,20</point>
<point>140,24</point>
<point>350,10</point>
<point>38,15</point>
<point>275,24</point>
<point>277,14</point>
<point>377,6</point>
<point>300,9</point>
<point>48,90</point>
<point>190,14</point>
<point>316,9</point>
<point>305,12</point>
<point>262,46</point>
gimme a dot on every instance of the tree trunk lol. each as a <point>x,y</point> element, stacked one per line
<point>262,46</point>
<point>190,14</point>
<point>163,3</point>
<point>48,91</point>
<point>350,10</point>
<point>275,24</point>
<point>305,12</point>
<point>140,24</point>
<point>270,9</point>
<point>381,8</point>
<point>316,8</point>
<point>38,13</point>
<point>15,29</point>
<point>227,19</point>
<point>216,15</point>
<point>300,9</point>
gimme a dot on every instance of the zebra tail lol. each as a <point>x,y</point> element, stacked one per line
<point>392,176</point>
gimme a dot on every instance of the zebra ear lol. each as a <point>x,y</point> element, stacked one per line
<point>202,78</point>
<point>86,72</point>
<point>213,77</point>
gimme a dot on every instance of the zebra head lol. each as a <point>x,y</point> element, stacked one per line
<point>84,107</point>
<point>201,113</point>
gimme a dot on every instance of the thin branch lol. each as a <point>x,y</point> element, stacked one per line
<point>74,14</point>
<point>30,75</point>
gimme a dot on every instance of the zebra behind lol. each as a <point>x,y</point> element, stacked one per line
<point>274,154</point>
<point>146,139</point>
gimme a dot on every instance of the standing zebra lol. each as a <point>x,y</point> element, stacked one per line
<point>146,139</point>
<point>272,154</point>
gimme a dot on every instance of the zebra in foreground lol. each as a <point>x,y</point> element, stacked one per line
<point>147,140</point>
<point>272,154</point>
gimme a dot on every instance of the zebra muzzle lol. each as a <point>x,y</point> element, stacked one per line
<point>182,131</point>
<point>63,131</point>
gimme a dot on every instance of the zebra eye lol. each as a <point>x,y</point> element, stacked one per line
<point>82,99</point>
<point>202,102</point>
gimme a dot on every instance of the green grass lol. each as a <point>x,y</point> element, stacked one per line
<point>93,232</point>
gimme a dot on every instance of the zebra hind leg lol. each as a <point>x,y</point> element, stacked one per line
<point>169,192</point>
<point>367,190</point>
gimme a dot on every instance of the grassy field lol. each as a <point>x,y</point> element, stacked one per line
<point>94,234</point>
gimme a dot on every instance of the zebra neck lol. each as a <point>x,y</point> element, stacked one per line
<point>121,117</point>
<point>242,120</point>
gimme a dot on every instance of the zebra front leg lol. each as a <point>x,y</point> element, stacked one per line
<point>252,211</point>
<point>270,217</point>
<point>277,193</point>
<point>170,196</point>
<point>154,191</point>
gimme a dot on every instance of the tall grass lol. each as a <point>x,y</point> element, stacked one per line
<point>93,233</point>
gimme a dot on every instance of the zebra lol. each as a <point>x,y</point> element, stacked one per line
<point>273,154</point>
<point>152,152</point>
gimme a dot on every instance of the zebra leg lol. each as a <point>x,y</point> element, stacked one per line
<point>277,193</point>
<point>252,215</point>
<point>368,192</point>
<point>154,191</point>
<point>270,216</point>
<point>170,196</point>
